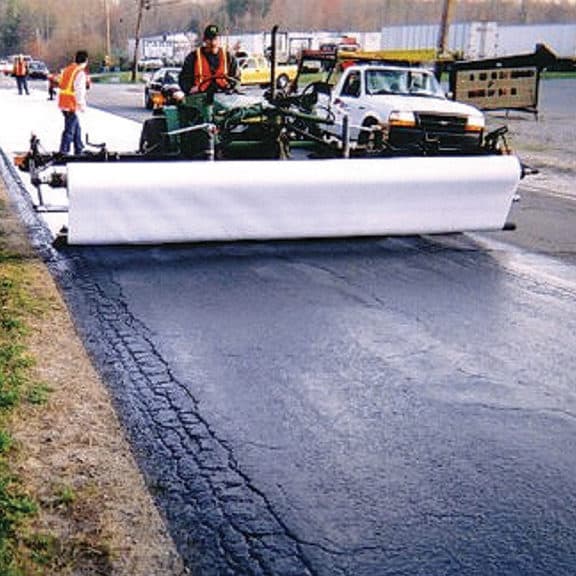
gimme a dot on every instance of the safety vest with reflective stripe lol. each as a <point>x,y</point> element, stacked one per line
<point>66,95</point>
<point>20,67</point>
<point>203,75</point>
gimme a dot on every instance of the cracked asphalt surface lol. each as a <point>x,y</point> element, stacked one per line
<point>344,408</point>
<point>396,406</point>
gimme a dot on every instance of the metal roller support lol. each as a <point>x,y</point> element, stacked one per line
<point>236,200</point>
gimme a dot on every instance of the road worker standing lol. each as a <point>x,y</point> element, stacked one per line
<point>20,72</point>
<point>72,99</point>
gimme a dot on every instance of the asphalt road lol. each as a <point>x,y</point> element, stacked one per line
<point>401,406</point>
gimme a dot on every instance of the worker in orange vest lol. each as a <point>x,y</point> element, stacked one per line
<point>72,99</point>
<point>208,68</point>
<point>20,72</point>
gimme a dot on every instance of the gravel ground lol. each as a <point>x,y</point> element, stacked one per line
<point>75,442</point>
<point>546,141</point>
<point>545,216</point>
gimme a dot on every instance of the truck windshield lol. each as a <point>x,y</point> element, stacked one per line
<point>404,82</point>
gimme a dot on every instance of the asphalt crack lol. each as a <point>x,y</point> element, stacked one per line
<point>222,523</point>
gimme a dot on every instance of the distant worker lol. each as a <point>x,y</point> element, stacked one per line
<point>20,72</point>
<point>209,68</point>
<point>72,99</point>
<point>53,83</point>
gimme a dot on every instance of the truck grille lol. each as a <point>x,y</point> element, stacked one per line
<point>435,123</point>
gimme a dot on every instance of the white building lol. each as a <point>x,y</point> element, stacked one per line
<point>168,47</point>
<point>484,39</point>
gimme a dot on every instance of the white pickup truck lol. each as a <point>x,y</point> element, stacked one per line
<point>400,109</point>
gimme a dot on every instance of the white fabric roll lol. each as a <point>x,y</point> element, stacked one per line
<point>161,202</point>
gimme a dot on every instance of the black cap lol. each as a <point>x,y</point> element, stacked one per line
<point>211,31</point>
<point>81,57</point>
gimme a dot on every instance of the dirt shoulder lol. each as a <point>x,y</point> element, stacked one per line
<point>72,453</point>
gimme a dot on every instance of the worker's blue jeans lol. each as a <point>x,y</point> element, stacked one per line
<point>72,134</point>
<point>22,84</point>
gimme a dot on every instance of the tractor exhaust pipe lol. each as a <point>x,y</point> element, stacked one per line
<point>346,137</point>
<point>273,56</point>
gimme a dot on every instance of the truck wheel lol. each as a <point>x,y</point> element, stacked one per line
<point>369,139</point>
<point>152,135</point>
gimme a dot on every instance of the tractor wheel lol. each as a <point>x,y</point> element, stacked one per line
<point>282,81</point>
<point>148,101</point>
<point>152,136</point>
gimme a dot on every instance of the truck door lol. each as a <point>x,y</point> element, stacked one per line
<point>348,101</point>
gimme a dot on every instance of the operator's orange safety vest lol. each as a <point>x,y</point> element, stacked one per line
<point>20,68</point>
<point>66,95</point>
<point>203,75</point>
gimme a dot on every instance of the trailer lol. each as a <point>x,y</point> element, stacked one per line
<point>505,83</point>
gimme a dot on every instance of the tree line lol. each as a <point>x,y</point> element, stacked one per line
<point>53,29</point>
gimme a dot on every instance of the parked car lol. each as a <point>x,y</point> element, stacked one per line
<point>256,70</point>
<point>160,87</point>
<point>150,64</point>
<point>38,70</point>
<point>6,67</point>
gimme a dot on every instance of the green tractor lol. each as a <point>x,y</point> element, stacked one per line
<point>218,126</point>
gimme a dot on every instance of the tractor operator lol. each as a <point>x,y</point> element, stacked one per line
<point>209,68</point>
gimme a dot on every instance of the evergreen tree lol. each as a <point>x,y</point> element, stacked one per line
<point>10,31</point>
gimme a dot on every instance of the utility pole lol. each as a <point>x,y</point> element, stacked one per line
<point>108,42</point>
<point>523,12</point>
<point>447,10</point>
<point>385,13</point>
<point>141,4</point>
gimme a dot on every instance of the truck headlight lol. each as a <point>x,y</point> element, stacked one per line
<point>475,123</point>
<point>402,118</point>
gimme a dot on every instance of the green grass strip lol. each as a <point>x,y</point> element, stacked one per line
<point>16,387</point>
